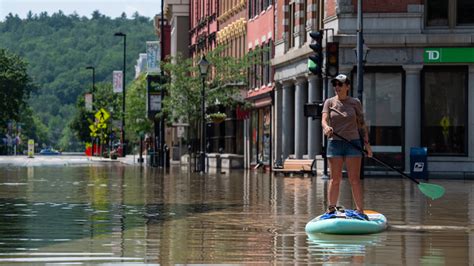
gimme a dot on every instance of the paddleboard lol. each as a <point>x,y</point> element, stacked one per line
<point>343,225</point>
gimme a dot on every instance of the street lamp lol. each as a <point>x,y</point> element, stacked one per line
<point>203,67</point>
<point>122,137</point>
<point>365,53</point>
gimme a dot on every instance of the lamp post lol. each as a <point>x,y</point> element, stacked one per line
<point>92,92</point>
<point>122,137</point>
<point>203,67</point>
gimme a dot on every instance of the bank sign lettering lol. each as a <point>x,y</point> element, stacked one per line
<point>449,55</point>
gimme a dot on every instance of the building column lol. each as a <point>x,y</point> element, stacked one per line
<point>277,136</point>
<point>301,123</point>
<point>412,110</point>
<point>288,123</point>
<point>470,105</point>
<point>314,125</point>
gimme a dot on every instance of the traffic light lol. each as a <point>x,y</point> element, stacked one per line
<point>332,59</point>
<point>315,61</point>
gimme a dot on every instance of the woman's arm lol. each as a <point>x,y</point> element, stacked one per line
<point>363,130</point>
<point>325,125</point>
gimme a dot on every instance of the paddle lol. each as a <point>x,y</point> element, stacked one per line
<point>430,190</point>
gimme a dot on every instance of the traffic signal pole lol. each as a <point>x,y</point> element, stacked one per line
<point>325,97</point>
<point>315,66</point>
<point>360,66</point>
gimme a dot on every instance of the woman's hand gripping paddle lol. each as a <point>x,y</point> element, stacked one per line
<point>430,190</point>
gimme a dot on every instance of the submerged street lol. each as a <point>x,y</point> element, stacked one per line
<point>109,212</point>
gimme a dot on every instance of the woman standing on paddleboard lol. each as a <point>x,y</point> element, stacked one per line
<point>343,114</point>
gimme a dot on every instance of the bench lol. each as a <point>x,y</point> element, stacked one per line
<point>297,166</point>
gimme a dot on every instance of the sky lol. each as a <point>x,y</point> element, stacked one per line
<point>111,8</point>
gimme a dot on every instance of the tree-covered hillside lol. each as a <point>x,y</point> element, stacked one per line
<point>58,48</point>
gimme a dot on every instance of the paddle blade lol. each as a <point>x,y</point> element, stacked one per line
<point>431,190</point>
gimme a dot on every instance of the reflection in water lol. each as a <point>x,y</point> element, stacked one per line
<point>342,248</point>
<point>119,214</point>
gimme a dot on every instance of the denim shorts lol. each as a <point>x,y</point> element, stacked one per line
<point>340,148</point>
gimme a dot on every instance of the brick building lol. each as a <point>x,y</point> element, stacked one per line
<point>417,74</point>
<point>260,35</point>
<point>295,135</point>
<point>417,79</point>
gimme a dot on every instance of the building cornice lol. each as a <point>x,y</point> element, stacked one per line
<point>234,10</point>
<point>232,31</point>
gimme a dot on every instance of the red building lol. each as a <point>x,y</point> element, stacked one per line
<point>260,34</point>
<point>203,26</point>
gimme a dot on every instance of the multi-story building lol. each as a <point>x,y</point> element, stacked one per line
<point>260,34</point>
<point>203,26</point>
<point>177,14</point>
<point>418,75</point>
<point>295,135</point>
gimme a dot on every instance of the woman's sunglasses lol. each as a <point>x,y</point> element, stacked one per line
<point>337,83</point>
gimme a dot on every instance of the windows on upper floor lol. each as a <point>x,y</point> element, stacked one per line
<point>260,73</point>
<point>449,13</point>
<point>257,6</point>
<point>291,25</point>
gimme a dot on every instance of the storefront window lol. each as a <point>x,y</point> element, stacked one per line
<point>382,105</point>
<point>260,133</point>
<point>444,111</point>
<point>266,133</point>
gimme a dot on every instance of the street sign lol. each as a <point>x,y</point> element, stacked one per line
<point>117,81</point>
<point>153,56</point>
<point>102,125</point>
<point>31,148</point>
<point>102,115</point>
<point>155,102</point>
<point>92,128</point>
<point>449,55</point>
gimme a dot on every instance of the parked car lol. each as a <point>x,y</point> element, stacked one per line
<point>49,151</point>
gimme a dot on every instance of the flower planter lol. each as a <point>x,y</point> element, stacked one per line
<point>217,117</point>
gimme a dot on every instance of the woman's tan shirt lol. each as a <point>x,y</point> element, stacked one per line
<point>346,116</point>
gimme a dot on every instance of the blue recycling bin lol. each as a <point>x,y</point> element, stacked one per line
<point>418,162</point>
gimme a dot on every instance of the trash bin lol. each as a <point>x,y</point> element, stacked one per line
<point>418,162</point>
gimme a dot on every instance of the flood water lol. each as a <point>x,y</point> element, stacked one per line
<point>116,214</point>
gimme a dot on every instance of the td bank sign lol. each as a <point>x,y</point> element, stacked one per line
<point>449,55</point>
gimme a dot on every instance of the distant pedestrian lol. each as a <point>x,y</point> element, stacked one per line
<point>343,114</point>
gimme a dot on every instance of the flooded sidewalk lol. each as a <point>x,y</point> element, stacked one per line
<point>92,212</point>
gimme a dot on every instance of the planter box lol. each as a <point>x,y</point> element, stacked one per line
<point>232,161</point>
<point>214,160</point>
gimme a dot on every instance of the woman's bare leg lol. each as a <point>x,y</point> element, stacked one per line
<point>353,172</point>
<point>335,166</point>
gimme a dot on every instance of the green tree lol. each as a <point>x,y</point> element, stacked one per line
<point>227,76</point>
<point>15,86</point>
<point>136,120</point>
<point>58,67</point>
<point>104,97</point>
